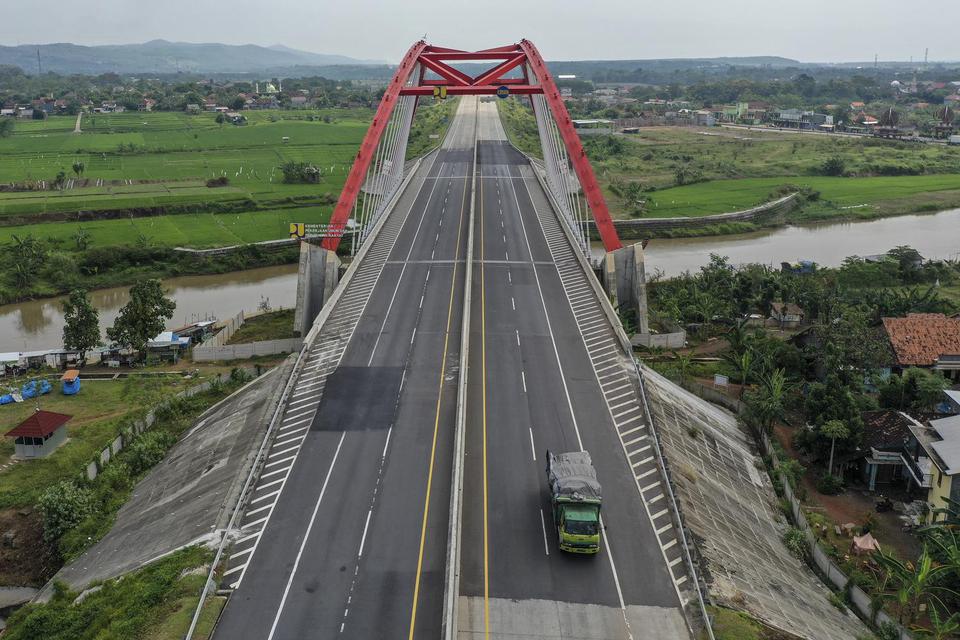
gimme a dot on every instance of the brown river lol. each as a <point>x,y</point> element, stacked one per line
<point>39,324</point>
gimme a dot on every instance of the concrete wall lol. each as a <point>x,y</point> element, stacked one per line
<point>266,245</point>
<point>837,578</point>
<point>625,282</point>
<point>643,227</point>
<point>248,350</point>
<point>92,469</point>
<point>317,277</point>
<point>672,340</point>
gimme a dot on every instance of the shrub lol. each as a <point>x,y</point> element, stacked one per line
<point>792,470</point>
<point>63,506</point>
<point>795,542</point>
<point>829,484</point>
<point>219,181</point>
<point>838,600</point>
<point>834,166</point>
<point>148,450</point>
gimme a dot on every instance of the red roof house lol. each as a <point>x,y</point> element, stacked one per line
<point>924,340</point>
<point>40,434</point>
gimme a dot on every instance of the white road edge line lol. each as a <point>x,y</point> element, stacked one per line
<point>306,536</point>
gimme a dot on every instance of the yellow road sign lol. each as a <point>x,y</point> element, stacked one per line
<point>440,93</point>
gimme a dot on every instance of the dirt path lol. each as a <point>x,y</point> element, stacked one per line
<point>76,128</point>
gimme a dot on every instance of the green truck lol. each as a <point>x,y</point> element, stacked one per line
<point>575,495</point>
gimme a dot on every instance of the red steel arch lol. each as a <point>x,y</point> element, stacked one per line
<point>408,80</point>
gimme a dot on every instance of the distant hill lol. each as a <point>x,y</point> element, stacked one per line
<point>161,56</point>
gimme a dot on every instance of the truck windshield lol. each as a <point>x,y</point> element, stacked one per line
<point>581,527</point>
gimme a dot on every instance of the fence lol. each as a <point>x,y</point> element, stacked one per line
<point>859,599</point>
<point>216,348</point>
<point>248,350</point>
<point>714,395</point>
<point>96,466</point>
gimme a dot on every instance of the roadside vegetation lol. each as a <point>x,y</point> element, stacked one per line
<point>807,389</point>
<point>153,603</point>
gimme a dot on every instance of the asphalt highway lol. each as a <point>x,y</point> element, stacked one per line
<point>532,388</point>
<point>356,543</point>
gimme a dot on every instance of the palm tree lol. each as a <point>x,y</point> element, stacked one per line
<point>742,364</point>
<point>684,361</point>
<point>833,429</point>
<point>767,404</point>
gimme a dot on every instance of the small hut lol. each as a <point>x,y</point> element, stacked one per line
<point>70,382</point>
<point>40,434</point>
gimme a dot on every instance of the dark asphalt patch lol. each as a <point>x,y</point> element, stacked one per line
<point>359,398</point>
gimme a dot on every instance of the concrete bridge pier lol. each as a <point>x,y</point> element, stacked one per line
<point>317,277</point>
<point>625,281</point>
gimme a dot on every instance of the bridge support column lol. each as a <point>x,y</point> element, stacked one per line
<point>625,282</point>
<point>317,277</point>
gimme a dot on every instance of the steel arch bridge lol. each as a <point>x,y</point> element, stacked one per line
<point>518,69</point>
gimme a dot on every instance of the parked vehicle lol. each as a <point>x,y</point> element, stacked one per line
<point>575,494</point>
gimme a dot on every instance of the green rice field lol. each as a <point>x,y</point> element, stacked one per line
<point>720,196</point>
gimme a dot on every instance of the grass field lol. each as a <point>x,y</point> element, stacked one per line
<point>719,196</point>
<point>198,230</point>
<point>269,326</point>
<point>97,411</point>
<point>741,169</point>
<point>145,183</point>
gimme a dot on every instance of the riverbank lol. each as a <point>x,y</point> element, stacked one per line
<point>38,324</point>
<point>811,209</point>
<point>934,235</point>
<point>32,270</point>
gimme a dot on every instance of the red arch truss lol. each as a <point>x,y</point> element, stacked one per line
<point>409,80</point>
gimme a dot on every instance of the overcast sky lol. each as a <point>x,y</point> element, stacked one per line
<point>813,30</point>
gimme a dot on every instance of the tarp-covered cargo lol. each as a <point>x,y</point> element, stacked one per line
<point>571,475</point>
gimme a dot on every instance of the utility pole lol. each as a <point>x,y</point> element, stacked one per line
<point>39,67</point>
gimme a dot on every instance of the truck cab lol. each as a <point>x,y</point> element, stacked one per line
<point>575,496</point>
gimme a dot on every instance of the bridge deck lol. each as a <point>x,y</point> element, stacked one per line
<point>346,531</point>
<point>534,384</point>
<point>341,552</point>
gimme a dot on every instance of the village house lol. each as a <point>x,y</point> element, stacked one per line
<point>39,435</point>
<point>881,459</point>
<point>928,340</point>
<point>950,405</point>
<point>940,444</point>
<point>787,314</point>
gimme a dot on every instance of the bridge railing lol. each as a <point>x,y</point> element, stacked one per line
<point>625,344</point>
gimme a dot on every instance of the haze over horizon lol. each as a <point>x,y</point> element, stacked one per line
<point>563,30</point>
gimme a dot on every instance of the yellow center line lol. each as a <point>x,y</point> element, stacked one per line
<point>436,422</point>
<point>483,385</point>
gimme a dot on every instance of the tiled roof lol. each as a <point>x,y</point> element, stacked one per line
<point>885,428</point>
<point>40,424</point>
<point>921,338</point>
